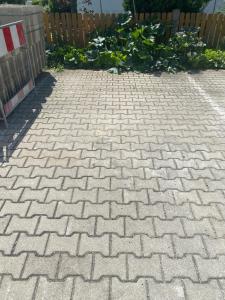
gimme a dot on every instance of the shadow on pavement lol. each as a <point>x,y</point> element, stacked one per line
<point>24,116</point>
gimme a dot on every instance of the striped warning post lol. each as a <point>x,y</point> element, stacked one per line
<point>11,37</point>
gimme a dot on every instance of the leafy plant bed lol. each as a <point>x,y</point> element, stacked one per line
<point>143,47</point>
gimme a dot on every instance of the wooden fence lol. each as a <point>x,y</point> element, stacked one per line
<point>76,28</point>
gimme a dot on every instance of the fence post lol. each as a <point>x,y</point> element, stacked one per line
<point>175,19</point>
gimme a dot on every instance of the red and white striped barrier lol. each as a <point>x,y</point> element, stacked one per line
<point>12,103</point>
<point>11,37</point>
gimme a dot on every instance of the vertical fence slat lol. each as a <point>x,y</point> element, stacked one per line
<point>203,26</point>
<point>54,31</point>
<point>216,31</point>
<point>81,30</point>
<point>57,27</point>
<point>47,30</point>
<point>193,20</point>
<point>221,41</point>
<point>208,28</point>
<point>68,27</point>
<point>141,17</point>
<point>198,21</point>
<point>181,21</point>
<point>74,30</point>
<point>187,20</point>
<point>64,31</point>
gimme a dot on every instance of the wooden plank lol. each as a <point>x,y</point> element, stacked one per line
<point>53,27</point>
<point>68,17</point>
<point>223,31</point>
<point>214,36</point>
<point>47,29</point>
<point>203,26</point>
<point>158,16</point>
<point>109,21</point>
<point>181,22</point>
<point>163,17</point>
<point>96,21</point>
<point>74,28</point>
<point>213,29</point>
<point>169,22</point>
<point>114,18</point>
<point>147,16</point>
<point>104,21</point>
<point>208,28</point>
<point>187,20</point>
<point>101,22</point>
<point>86,26</point>
<point>64,28</point>
<point>193,20</point>
<point>57,28</point>
<point>141,17</point>
<point>220,35</point>
<point>80,30</point>
<point>198,20</point>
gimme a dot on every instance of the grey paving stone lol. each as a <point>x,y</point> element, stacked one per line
<point>202,227</point>
<point>110,226</point>
<point>69,209</point>
<point>91,209</point>
<point>181,267</point>
<point>157,245</point>
<point>7,242</point>
<point>52,225</point>
<point>62,244</point>
<point>13,195</point>
<point>12,265</point>
<point>110,266</point>
<point>59,195</point>
<point>81,226</point>
<point>90,244</point>
<point>17,289</point>
<point>18,224</point>
<point>128,290</point>
<point>39,265</point>
<point>139,226</point>
<point>192,245</point>
<point>91,290</point>
<point>123,210</point>
<point>144,267</point>
<point>138,196</point>
<point>41,209</point>
<point>168,227</point>
<point>210,290</point>
<point>75,266</point>
<point>14,208</point>
<point>126,245</point>
<point>173,290</point>
<point>210,268</point>
<point>38,195</point>
<point>26,243</point>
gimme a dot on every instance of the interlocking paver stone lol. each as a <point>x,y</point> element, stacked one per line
<point>115,189</point>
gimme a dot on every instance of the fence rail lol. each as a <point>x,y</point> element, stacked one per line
<point>76,28</point>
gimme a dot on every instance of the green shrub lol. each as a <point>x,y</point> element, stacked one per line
<point>210,59</point>
<point>143,47</point>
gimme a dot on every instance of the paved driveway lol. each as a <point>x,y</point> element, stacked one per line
<point>112,188</point>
